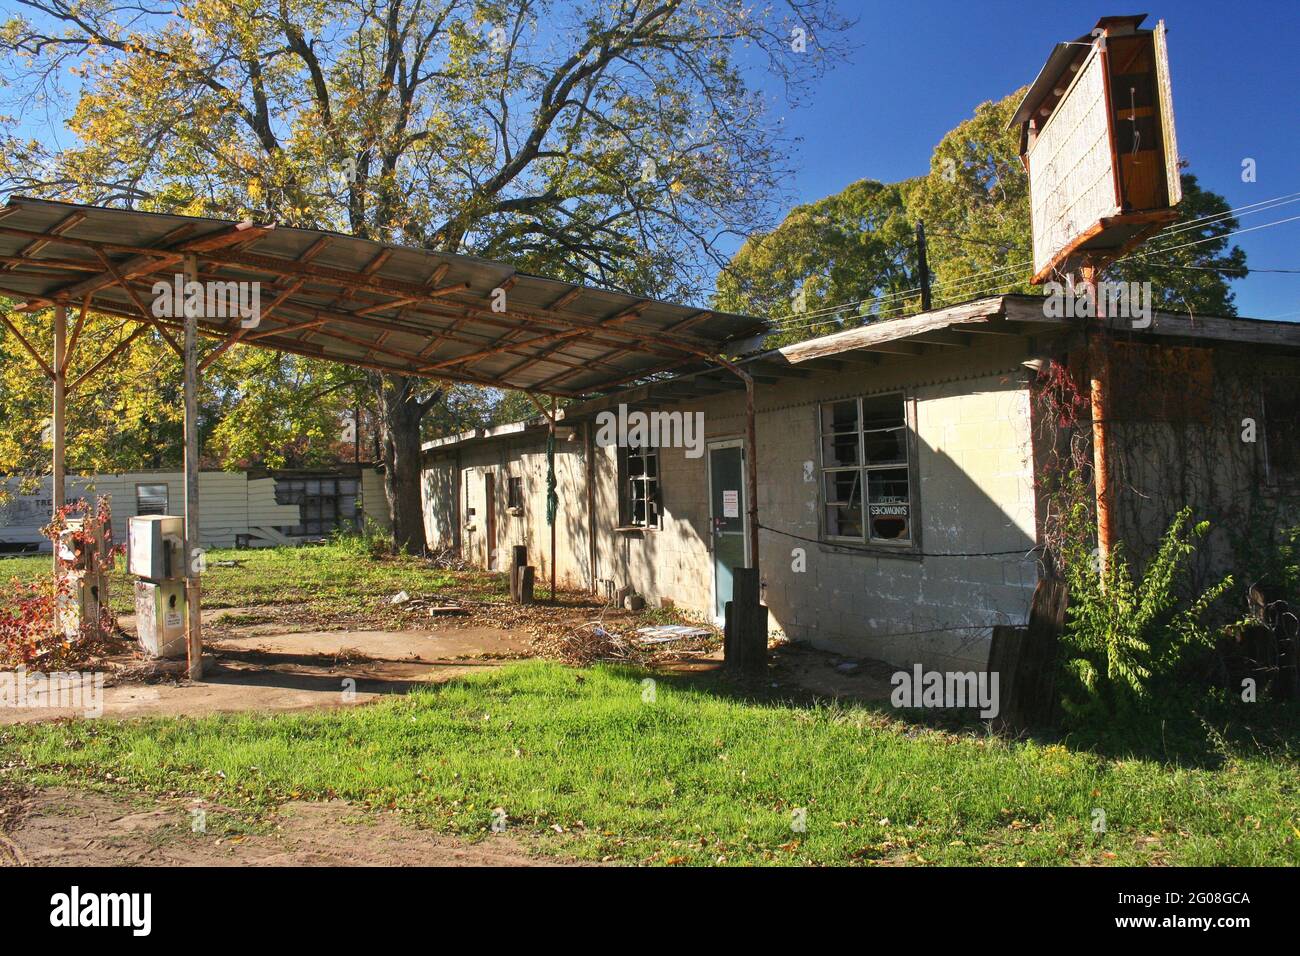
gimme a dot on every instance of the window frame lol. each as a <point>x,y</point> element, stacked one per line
<point>1275,476</point>
<point>167,496</point>
<point>910,547</point>
<point>515,502</point>
<point>653,495</point>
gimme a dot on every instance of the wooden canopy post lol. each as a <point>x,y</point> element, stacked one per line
<point>58,418</point>
<point>551,477</point>
<point>193,593</point>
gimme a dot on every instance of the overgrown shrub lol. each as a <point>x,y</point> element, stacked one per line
<point>1130,647</point>
<point>33,614</point>
<point>372,541</point>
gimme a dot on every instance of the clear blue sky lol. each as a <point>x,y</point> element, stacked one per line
<point>921,67</point>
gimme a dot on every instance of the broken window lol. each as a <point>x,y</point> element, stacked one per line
<point>866,473</point>
<point>151,499</point>
<point>515,493</point>
<point>639,481</point>
<point>325,504</point>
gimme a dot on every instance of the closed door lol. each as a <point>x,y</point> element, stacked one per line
<point>490,520</point>
<point>726,518</point>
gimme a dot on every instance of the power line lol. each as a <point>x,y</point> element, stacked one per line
<point>1245,269</point>
<point>1250,209</point>
<point>1226,235</point>
<point>807,319</point>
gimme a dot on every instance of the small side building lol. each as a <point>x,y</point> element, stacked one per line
<point>904,471</point>
<point>240,509</point>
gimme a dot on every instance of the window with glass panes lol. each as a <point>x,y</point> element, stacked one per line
<point>640,498</point>
<point>866,482</point>
<point>325,504</point>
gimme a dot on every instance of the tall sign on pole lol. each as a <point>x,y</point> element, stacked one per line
<point>1097,139</point>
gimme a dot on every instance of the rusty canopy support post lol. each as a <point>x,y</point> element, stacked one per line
<point>193,557</point>
<point>58,418</point>
<point>751,471</point>
<point>1100,394</point>
<point>551,489</point>
<point>745,631</point>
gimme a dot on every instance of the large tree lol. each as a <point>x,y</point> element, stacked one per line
<point>851,258</point>
<point>848,258</point>
<point>617,143</point>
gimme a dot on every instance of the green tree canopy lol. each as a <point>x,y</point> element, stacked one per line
<point>617,143</point>
<point>854,255</point>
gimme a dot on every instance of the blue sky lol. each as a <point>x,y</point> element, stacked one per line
<point>921,67</point>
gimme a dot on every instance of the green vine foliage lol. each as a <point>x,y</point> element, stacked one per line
<point>1128,642</point>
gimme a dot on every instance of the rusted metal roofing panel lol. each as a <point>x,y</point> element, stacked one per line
<point>352,300</point>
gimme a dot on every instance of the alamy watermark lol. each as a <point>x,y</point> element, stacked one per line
<point>59,690</point>
<point>133,911</point>
<point>208,300</point>
<point>946,689</point>
<point>637,429</point>
<point>1118,300</point>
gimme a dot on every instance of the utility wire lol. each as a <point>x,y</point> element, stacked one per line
<point>1262,205</point>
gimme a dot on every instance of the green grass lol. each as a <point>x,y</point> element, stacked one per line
<point>699,775</point>
<point>333,580</point>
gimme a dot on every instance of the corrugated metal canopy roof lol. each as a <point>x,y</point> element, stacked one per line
<point>382,306</point>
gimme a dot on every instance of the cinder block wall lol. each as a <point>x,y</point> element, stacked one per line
<point>1180,437</point>
<point>976,496</point>
<point>975,499</point>
<point>523,457</point>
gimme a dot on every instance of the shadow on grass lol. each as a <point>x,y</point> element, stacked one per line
<point>1205,732</point>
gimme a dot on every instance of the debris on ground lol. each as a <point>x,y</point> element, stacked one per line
<point>664,633</point>
<point>591,642</point>
<point>601,640</point>
<point>438,610</point>
<point>434,605</point>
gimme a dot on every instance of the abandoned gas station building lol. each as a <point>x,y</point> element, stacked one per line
<point>903,470</point>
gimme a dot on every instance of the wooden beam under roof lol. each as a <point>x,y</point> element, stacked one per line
<point>36,245</point>
<point>623,350</point>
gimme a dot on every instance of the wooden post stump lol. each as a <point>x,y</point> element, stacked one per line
<point>1024,659</point>
<point>518,560</point>
<point>745,630</point>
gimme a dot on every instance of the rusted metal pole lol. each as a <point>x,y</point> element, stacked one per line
<point>751,471</point>
<point>193,557</point>
<point>58,419</point>
<point>551,475</point>
<point>1099,374</point>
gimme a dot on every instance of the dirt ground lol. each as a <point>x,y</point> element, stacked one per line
<point>282,672</point>
<point>265,667</point>
<point>66,827</point>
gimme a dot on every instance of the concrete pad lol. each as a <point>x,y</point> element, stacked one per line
<point>285,672</point>
<point>433,646</point>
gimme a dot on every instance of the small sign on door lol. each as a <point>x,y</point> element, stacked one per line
<point>731,504</point>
